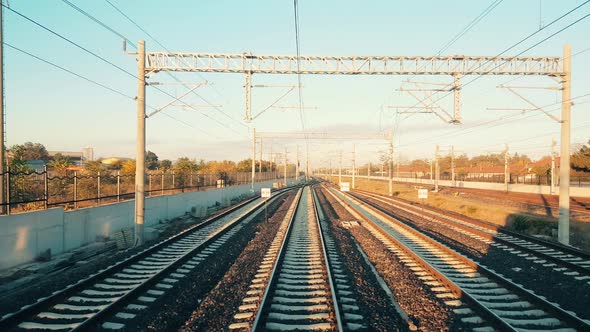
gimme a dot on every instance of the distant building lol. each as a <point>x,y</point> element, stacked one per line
<point>87,154</point>
<point>75,157</point>
<point>36,165</point>
<point>113,160</point>
<point>78,158</point>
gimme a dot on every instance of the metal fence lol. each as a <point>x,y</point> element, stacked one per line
<point>34,190</point>
<point>539,180</point>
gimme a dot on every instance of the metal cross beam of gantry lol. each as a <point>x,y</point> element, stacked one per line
<point>455,66</point>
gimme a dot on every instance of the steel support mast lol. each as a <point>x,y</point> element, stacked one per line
<point>140,151</point>
<point>391,164</point>
<point>563,232</point>
<point>253,159</point>
<point>3,166</point>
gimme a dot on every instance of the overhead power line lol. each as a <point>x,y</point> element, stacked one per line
<point>298,49</point>
<point>104,86</point>
<point>518,43</point>
<point>493,122</point>
<point>170,74</point>
<point>86,49</point>
<point>525,39</point>
<point>469,26</point>
<point>83,12</point>
<point>448,44</point>
<point>94,82</point>
<point>69,41</point>
<point>526,50</point>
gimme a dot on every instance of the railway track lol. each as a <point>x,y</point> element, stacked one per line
<point>538,251</point>
<point>300,284</point>
<point>484,298</point>
<point>117,294</point>
<point>577,205</point>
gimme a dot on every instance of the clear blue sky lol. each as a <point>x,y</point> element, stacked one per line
<point>66,113</point>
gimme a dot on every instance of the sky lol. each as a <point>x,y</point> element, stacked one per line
<point>65,112</point>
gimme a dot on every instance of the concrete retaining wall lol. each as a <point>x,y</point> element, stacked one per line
<point>24,236</point>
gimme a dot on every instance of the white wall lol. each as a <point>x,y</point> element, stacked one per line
<point>522,188</point>
<point>24,236</point>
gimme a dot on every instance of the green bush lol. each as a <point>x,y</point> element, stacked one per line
<point>471,209</point>
<point>521,223</point>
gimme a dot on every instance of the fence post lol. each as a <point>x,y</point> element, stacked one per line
<point>118,186</point>
<point>173,182</point>
<point>149,184</point>
<point>75,190</point>
<point>191,181</point>
<point>162,186</point>
<point>45,187</point>
<point>98,188</point>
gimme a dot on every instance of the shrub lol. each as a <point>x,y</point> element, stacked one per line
<point>521,223</point>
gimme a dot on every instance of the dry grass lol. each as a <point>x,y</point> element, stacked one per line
<point>497,212</point>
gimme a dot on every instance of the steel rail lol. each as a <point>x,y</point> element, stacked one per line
<point>12,319</point>
<point>315,204</point>
<point>527,294</point>
<point>276,264</point>
<point>460,222</point>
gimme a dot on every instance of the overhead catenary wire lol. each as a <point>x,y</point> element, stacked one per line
<point>518,43</point>
<point>104,86</point>
<point>94,82</point>
<point>168,73</point>
<point>469,26</point>
<point>526,50</point>
<point>448,44</point>
<point>69,41</point>
<point>89,51</point>
<point>85,13</point>
<point>508,117</point>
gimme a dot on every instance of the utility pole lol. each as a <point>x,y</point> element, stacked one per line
<point>453,165</point>
<point>307,174</point>
<point>260,161</point>
<point>285,170</point>
<point>391,164</point>
<point>506,168</point>
<point>340,169</point>
<point>353,164</point>
<point>140,151</point>
<point>431,170</point>
<point>563,227</point>
<point>2,134</point>
<point>369,172</point>
<point>271,160</point>
<point>253,157</point>
<point>248,87</point>
<point>297,165</point>
<point>436,169</point>
<point>552,188</point>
